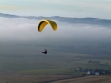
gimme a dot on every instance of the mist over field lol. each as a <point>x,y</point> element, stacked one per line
<point>74,35</point>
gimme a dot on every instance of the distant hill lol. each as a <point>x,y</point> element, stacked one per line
<point>88,20</point>
<point>8,16</point>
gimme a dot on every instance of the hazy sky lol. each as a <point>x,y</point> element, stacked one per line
<point>67,8</point>
<point>21,35</point>
<point>68,34</point>
<point>23,29</point>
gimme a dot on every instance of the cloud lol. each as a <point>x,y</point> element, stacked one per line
<point>26,29</point>
<point>16,29</point>
<point>67,35</point>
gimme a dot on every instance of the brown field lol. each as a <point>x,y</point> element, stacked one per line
<point>87,79</point>
<point>15,78</point>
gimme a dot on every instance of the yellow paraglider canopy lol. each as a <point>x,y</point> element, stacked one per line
<point>43,23</point>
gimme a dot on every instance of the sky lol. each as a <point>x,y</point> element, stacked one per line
<point>64,8</point>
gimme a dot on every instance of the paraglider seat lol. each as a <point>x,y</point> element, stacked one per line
<point>45,52</point>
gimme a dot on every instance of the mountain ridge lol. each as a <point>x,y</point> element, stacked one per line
<point>87,20</point>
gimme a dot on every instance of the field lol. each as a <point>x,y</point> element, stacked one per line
<point>87,79</point>
<point>50,68</point>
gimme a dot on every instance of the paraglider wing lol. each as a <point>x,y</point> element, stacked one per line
<point>43,23</point>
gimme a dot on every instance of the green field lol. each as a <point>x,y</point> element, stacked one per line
<point>40,68</point>
<point>50,64</point>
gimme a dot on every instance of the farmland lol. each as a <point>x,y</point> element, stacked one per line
<point>36,68</point>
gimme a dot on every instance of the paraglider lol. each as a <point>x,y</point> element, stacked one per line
<point>45,52</point>
<point>43,23</point>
